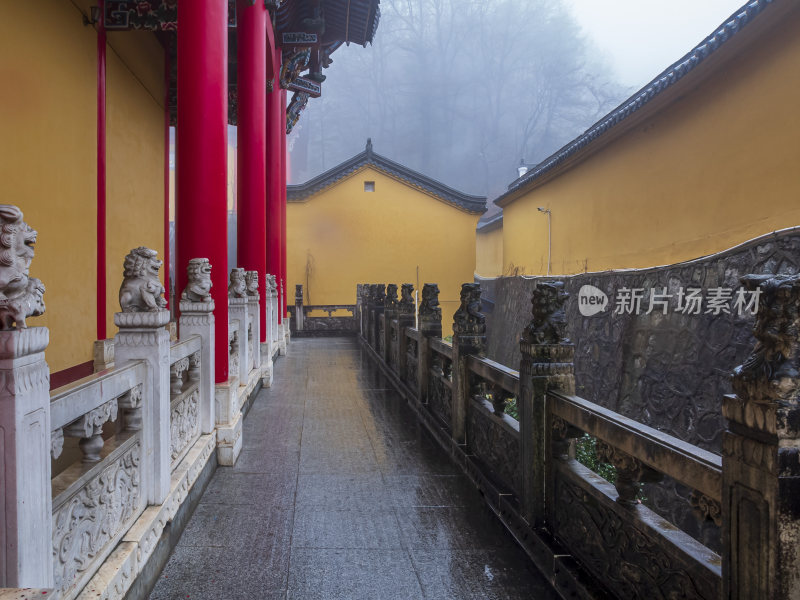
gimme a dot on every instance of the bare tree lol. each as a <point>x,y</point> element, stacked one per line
<point>460,90</point>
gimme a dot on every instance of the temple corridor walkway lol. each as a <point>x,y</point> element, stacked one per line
<point>340,494</point>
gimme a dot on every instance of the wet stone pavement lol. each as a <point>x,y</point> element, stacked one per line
<point>339,493</point>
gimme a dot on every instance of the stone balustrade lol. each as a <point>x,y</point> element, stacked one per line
<point>95,471</point>
<point>569,478</point>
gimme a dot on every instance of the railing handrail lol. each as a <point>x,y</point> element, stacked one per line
<point>494,372</point>
<point>439,346</point>
<point>72,401</point>
<point>684,462</point>
<point>184,347</point>
<point>413,333</point>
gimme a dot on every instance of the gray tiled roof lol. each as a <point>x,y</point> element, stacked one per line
<point>466,202</point>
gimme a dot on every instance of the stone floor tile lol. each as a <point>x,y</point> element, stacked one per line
<point>504,574</point>
<point>406,491</point>
<point>451,527</point>
<point>346,491</point>
<point>207,573</point>
<point>218,525</point>
<point>262,489</point>
<point>354,529</point>
<point>352,575</point>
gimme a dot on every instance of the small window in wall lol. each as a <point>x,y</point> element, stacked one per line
<point>369,186</point>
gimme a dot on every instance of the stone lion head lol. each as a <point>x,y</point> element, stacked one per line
<point>17,239</point>
<point>143,263</point>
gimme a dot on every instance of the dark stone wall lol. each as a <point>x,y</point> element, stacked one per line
<point>667,371</point>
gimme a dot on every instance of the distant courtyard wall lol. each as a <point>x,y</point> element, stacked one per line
<point>708,163</point>
<point>344,235</point>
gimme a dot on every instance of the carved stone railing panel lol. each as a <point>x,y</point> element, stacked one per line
<point>440,388</point>
<point>184,423</point>
<point>632,551</point>
<point>494,440</point>
<point>412,359</point>
<point>92,514</point>
<point>392,355</point>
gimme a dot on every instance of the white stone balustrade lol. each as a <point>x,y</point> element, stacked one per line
<point>126,443</point>
<point>25,515</point>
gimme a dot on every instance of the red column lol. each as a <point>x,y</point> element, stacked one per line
<point>101,174</point>
<point>274,127</point>
<point>284,164</point>
<point>201,219</point>
<point>252,144</point>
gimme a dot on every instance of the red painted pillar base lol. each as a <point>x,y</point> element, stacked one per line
<point>201,207</point>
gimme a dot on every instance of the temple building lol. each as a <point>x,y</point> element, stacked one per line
<point>414,229</point>
<point>700,159</point>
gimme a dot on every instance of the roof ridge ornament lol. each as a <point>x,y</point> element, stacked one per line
<point>369,147</point>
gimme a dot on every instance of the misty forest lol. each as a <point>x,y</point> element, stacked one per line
<point>461,90</point>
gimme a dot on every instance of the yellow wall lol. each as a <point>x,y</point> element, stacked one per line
<point>347,236</point>
<point>48,158</point>
<point>716,167</point>
<point>489,252</point>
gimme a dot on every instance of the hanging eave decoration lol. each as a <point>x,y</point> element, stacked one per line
<point>296,106</point>
<point>149,15</point>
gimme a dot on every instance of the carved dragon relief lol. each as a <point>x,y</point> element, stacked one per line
<point>21,296</point>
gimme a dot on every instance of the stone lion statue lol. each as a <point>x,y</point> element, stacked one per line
<point>272,283</point>
<point>141,290</point>
<point>549,322</point>
<point>237,288</point>
<point>251,282</point>
<point>21,296</point>
<point>198,287</point>
<point>469,318</point>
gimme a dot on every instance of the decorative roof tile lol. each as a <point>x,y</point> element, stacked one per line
<point>465,202</point>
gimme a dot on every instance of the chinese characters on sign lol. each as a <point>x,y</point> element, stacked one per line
<point>687,301</point>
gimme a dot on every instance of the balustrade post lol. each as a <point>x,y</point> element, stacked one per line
<point>298,307</point>
<point>389,314</point>
<point>359,306</point>
<point>546,365</point>
<point>238,311</point>
<point>469,338</point>
<point>27,513</point>
<point>142,337</point>
<point>197,318</point>
<point>761,452</point>
<point>370,315</point>
<point>266,346</point>
<point>378,300</point>
<point>429,315</point>
<point>405,319</point>
<point>283,322</point>
<point>272,317</point>
<point>254,309</point>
